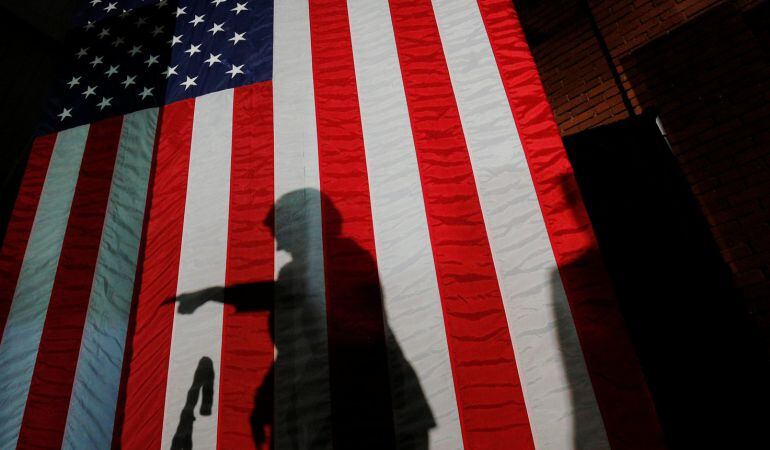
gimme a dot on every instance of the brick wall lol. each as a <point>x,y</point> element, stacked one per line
<point>704,65</point>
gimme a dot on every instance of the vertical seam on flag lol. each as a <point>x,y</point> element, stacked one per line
<point>349,256</point>
<point>117,428</point>
<point>297,181</point>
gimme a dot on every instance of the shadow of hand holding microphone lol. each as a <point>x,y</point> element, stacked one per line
<point>203,383</point>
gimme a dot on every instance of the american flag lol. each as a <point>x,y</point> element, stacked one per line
<point>307,224</point>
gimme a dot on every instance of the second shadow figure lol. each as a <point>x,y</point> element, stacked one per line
<point>339,378</point>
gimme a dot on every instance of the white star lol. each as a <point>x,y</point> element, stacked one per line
<point>171,71</point>
<point>157,30</point>
<point>161,3</point>
<point>189,82</point>
<point>180,11</point>
<point>176,40</point>
<point>134,50</point>
<point>140,21</point>
<point>110,7</point>
<point>95,2</point>
<point>145,92</point>
<point>197,20</point>
<point>151,60</point>
<point>193,49</point>
<point>237,37</point>
<point>104,33</point>
<point>128,81</point>
<point>118,41</point>
<point>213,59</point>
<point>111,71</point>
<point>124,14</point>
<point>217,2</point>
<point>235,71</point>
<point>96,61</point>
<point>90,91</point>
<point>216,28</point>
<point>73,82</point>
<point>82,52</point>
<point>239,7</point>
<point>89,25</point>
<point>104,103</point>
<point>65,113</point>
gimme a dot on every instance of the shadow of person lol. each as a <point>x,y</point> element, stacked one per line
<point>203,382</point>
<point>339,377</point>
<point>593,339</point>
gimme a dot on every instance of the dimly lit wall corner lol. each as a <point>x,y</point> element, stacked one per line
<point>31,41</point>
<point>704,67</point>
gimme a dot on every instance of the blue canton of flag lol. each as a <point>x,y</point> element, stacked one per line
<point>134,54</point>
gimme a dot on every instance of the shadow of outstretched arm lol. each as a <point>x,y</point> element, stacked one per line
<point>246,297</point>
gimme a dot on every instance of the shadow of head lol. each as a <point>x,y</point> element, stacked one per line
<point>295,219</point>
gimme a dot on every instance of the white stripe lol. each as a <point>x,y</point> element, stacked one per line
<point>21,338</point>
<point>202,263</point>
<point>302,402</point>
<point>97,377</point>
<point>557,388</point>
<point>404,255</point>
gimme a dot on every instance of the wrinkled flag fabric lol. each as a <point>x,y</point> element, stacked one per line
<point>386,178</point>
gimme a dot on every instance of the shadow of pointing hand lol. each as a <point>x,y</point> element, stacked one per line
<point>189,302</point>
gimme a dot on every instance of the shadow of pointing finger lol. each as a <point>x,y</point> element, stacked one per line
<point>203,382</point>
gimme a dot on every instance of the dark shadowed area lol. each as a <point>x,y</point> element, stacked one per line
<point>701,356</point>
<point>31,47</point>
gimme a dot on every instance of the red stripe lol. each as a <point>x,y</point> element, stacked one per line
<point>620,389</point>
<point>489,394</point>
<point>20,224</point>
<point>360,394</point>
<point>247,347</point>
<point>46,411</point>
<point>139,422</point>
